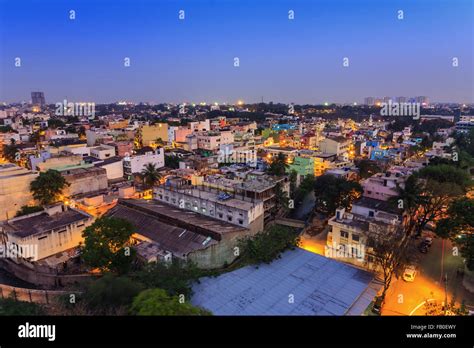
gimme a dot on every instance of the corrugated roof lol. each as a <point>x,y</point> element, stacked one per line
<point>317,285</point>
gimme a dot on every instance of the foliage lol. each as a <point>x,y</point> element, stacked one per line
<point>6,129</point>
<point>267,245</point>
<point>110,294</point>
<point>306,186</point>
<point>458,225</point>
<point>107,245</point>
<point>10,152</point>
<point>388,252</point>
<point>27,209</point>
<point>55,123</point>
<point>48,186</point>
<point>332,193</point>
<point>158,302</point>
<point>150,175</point>
<point>367,168</point>
<point>9,306</point>
<point>176,277</point>
<point>172,162</point>
<point>278,166</point>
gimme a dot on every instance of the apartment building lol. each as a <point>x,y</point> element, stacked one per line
<point>136,163</point>
<point>46,233</point>
<point>14,189</point>
<point>383,186</point>
<point>335,145</point>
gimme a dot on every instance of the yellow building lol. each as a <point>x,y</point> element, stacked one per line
<point>149,134</point>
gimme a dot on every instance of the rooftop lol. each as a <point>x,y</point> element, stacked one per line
<point>42,222</point>
<point>319,285</point>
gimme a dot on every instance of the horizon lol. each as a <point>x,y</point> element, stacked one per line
<point>283,60</point>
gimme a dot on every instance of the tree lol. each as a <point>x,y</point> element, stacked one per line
<point>281,200</point>
<point>332,193</point>
<point>176,277</point>
<point>158,302</point>
<point>388,252</point>
<point>267,245</point>
<point>27,209</point>
<point>48,186</point>
<point>111,294</point>
<point>306,186</point>
<point>427,193</point>
<point>10,306</point>
<point>172,162</point>
<point>107,245</point>
<point>367,168</point>
<point>159,142</point>
<point>278,166</point>
<point>458,225</point>
<point>10,153</point>
<point>150,175</point>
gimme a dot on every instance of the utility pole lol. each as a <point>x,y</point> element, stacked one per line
<point>446,294</point>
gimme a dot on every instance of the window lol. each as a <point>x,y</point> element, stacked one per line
<point>371,213</point>
<point>355,237</point>
<point>241,222</point>
<point>229,218</point>
<point>220,215</point>
<point>344,234</point>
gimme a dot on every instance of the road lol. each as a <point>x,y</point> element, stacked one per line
<point>404,298</point>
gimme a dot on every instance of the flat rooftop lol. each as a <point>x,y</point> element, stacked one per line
<point>43,222</point>
<point>182,217</point>
<point>320,286</point>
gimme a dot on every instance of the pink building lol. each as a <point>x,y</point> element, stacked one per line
<point>383,186</point>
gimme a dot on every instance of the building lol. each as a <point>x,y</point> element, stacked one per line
<point>212,203</point>
<point>49,232</point>
<point>37,98</point>
<point>150,134</point>
<point>213,140</point>
<point>185,234</point>
<point>383,186</point>
<point>135,164</point>
<point>84,179</point>
<point>14,189</point>
<point>102,152</point>
<point>338,146</point>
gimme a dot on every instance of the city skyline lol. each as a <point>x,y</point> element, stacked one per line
<point>298,60</point>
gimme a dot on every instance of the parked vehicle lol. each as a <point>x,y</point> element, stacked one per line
<point>423,248</point>
<point>428,241</point>
<point>409,274</point>
<point>377,307</point>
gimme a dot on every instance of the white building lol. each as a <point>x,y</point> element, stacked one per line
<point>135,164</point>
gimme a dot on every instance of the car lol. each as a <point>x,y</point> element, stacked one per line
<point>428,241</point>
<point>377,307</point>
<point>409,274</point>
<point>423,248</point>
<point>430,226</point>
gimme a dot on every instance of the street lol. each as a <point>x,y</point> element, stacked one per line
<point>405,298</point>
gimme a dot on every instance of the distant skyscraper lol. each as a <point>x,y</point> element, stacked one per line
<point>369,101</point>
<point>37,98</point>
<point>401,99</point>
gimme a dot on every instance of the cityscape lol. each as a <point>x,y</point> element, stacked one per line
<point>231,158</point>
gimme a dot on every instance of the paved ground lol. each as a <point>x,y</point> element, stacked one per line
<point>405,298</point>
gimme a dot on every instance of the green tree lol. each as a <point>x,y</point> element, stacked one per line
<point>48,186</point>
<point>172,162</point>
<point>9,306</point>
<point>267,245</point>
<point>458,225</point>
<point>111,294</point>
<point>150,175</point>
<point>332,193</point>
<point>278,166</point>
<point>158,302</point>
<point>367,168</point>
<point>176,277</point>
<point>107,245</point>
<point>27,209</point>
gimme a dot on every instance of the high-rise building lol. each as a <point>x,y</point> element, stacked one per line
<point>369,101</point>
<point>37,98</point>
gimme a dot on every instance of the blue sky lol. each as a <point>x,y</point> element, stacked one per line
<point>281,60</point>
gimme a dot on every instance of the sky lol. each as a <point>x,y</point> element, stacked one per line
<point>280,60</point>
